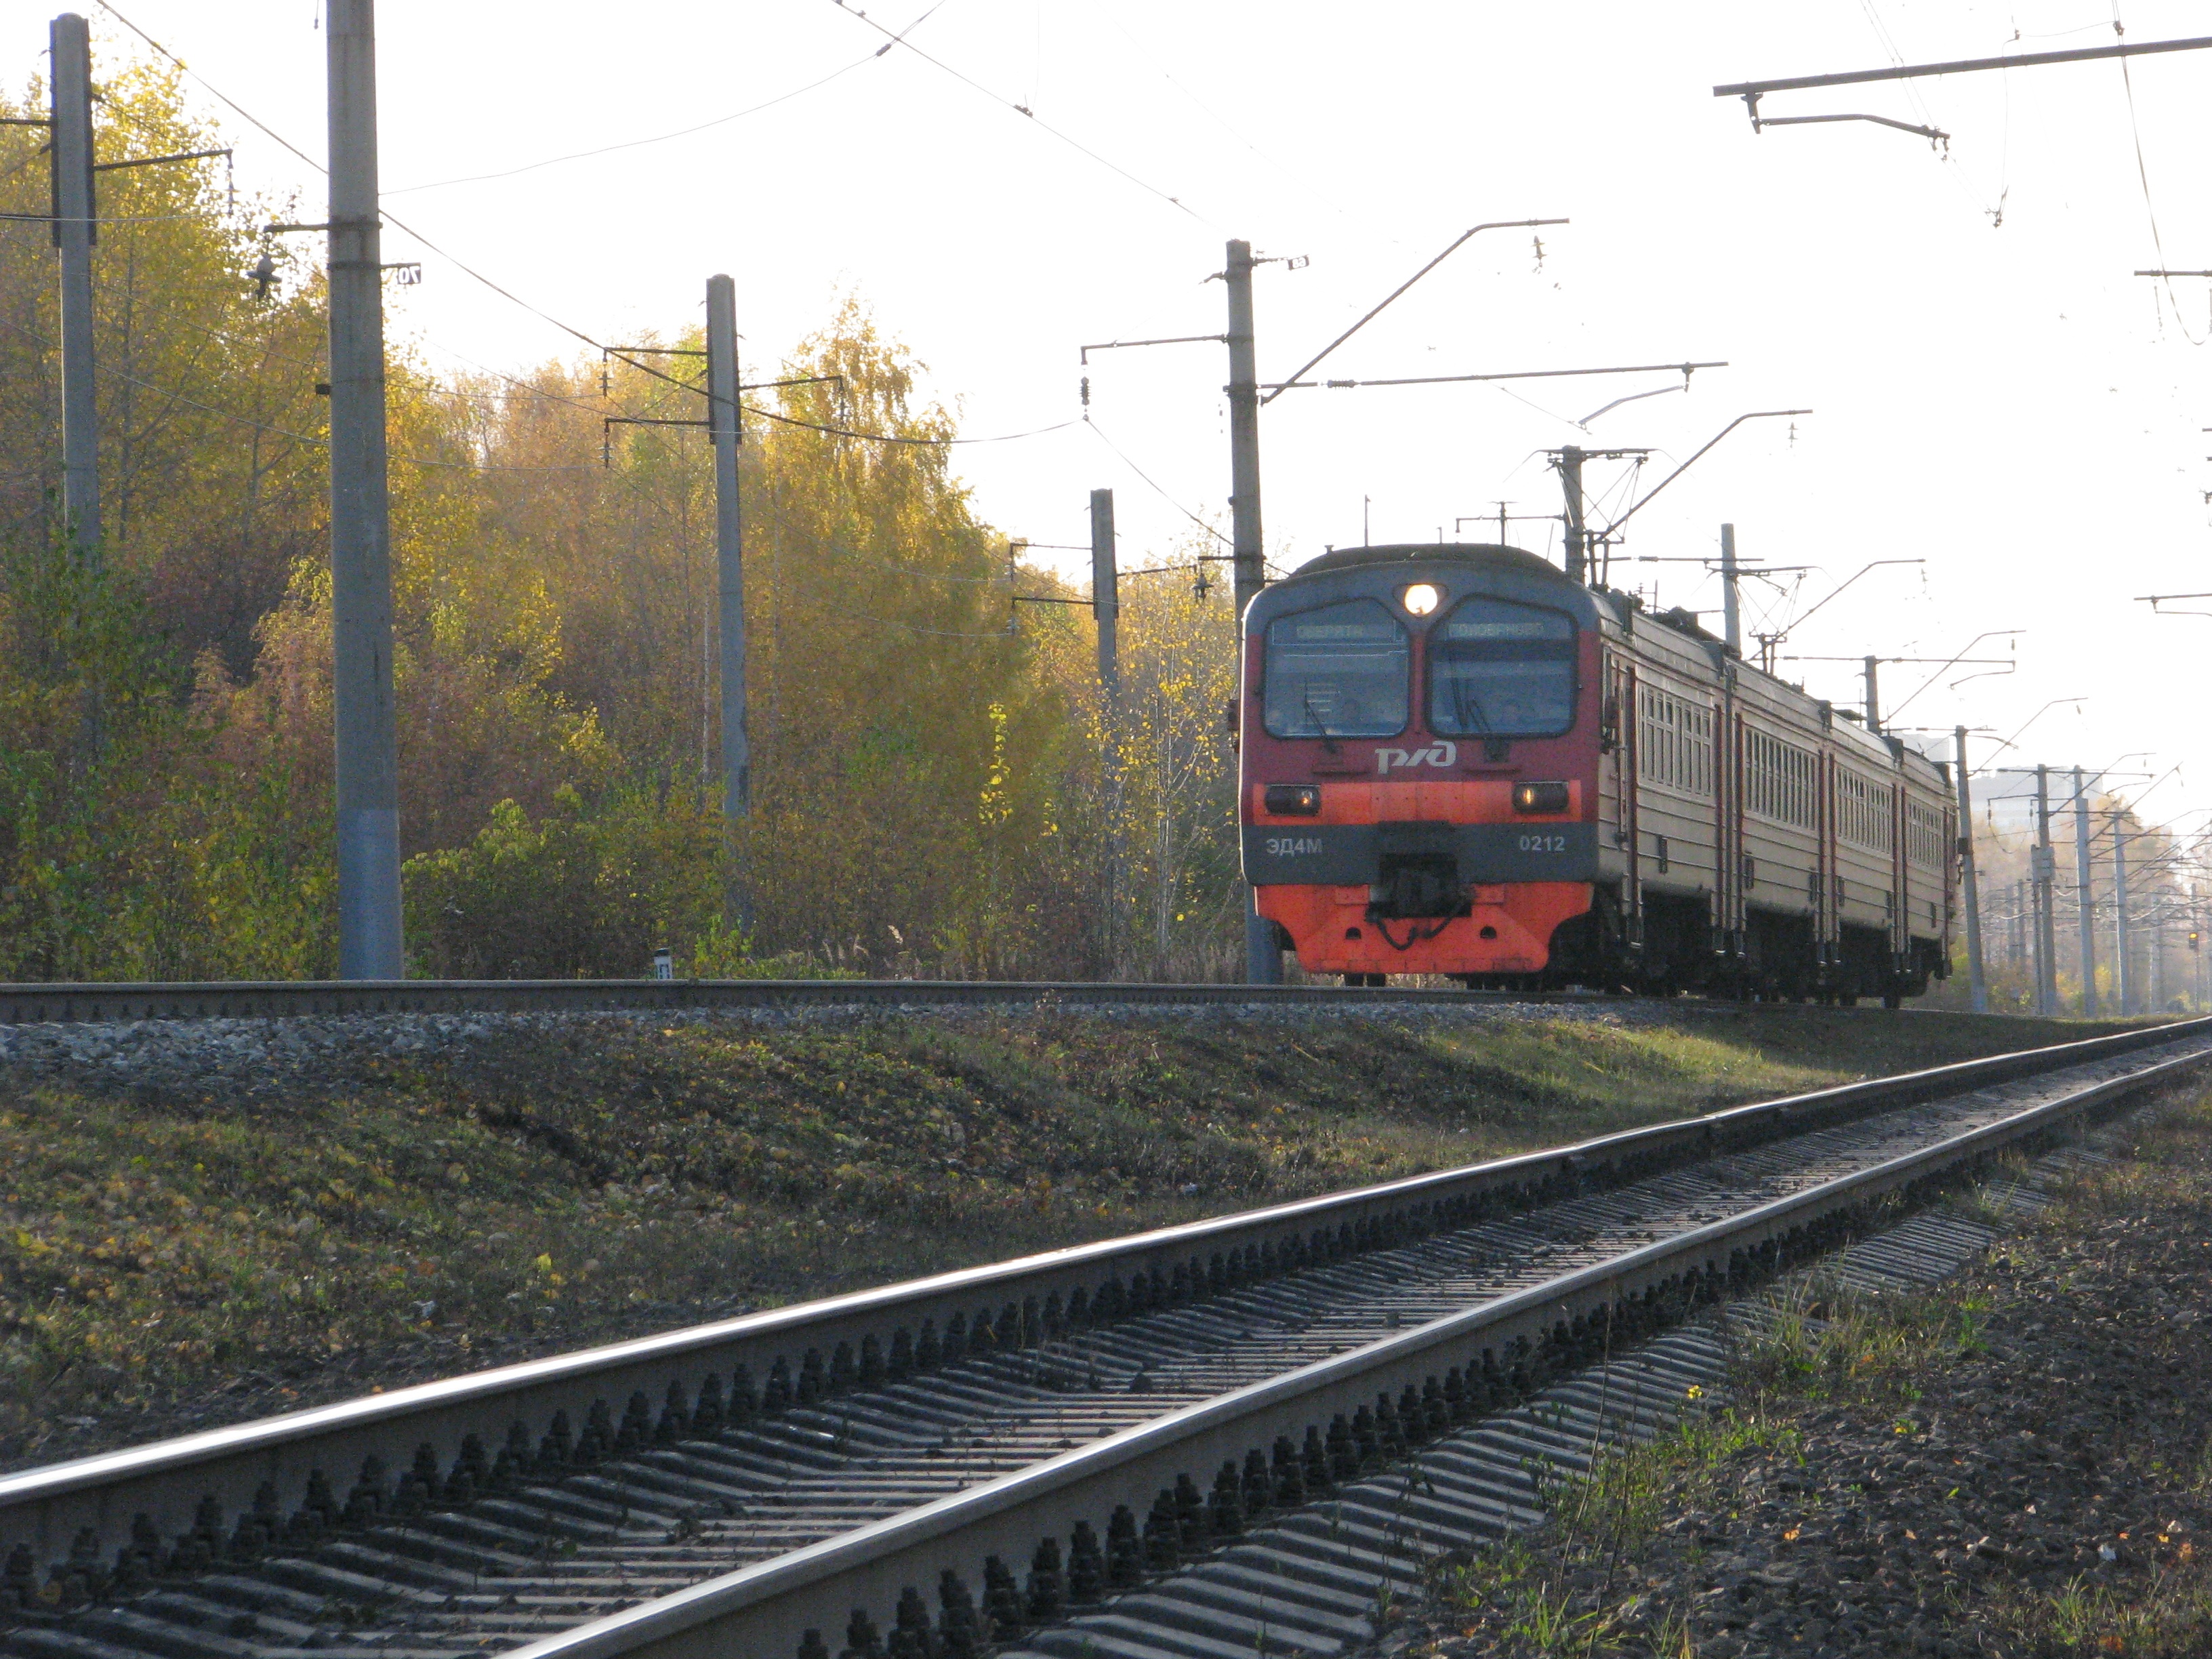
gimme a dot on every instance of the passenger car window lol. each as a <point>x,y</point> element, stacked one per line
<point>1341,671</point>
<point>1499,669</point>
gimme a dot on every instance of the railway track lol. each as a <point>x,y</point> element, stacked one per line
<point>970,1456</point>
<point>89,1003</point>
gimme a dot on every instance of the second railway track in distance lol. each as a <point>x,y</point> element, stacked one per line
<point>101,1002</point>
<point>961,1457</point>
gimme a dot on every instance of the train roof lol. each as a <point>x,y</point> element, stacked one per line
<point>1508,571</point>
<point>1487,553</point>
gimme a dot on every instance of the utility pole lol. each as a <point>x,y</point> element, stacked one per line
<point>1571,484</point>
<point>1732,620</point>
<point>1263,958</point>
<point>2087,905</point>
<point>1570,461</point>
<point>724,433</point>
<point>1105,591</point>
<point>1872,694</point>
<point>2045,870</point>
<point>2123,980</point>
<point>1978,983</point>
<point>1243,431</point>
<point>74,235</point>
<point>370,944</point>
<point>1106,608</point>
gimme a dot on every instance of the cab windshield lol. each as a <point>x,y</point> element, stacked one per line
<point>1340,672</point>
<point>1498,669</point>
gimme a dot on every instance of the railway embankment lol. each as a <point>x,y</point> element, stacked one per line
<point>203,1221</point>
<point>2017,1462</point>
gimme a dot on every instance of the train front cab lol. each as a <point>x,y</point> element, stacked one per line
<point>1419,759</point>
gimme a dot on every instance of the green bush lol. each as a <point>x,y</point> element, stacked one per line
<point>585,892</point>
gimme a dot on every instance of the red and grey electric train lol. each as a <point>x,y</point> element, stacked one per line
<point>1456,760</point>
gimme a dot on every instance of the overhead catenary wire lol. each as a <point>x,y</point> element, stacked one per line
<point>508,295</point>
<point>285,144</point>
<point>769,510</point>
<point>479,466</point>
<point>620,355</point>
<point>1522,398</point>
<point>234,107</point>
<point>898,438</point>
<point>445,391</point>
<point>638,143</point>
<point>932,633</point>
<point>1277,389</point>
<point>898,39</point>
<point>31,159</point>
<point>1303,184</point>
<point>104,219</point>
<point>312,440</point>
<point>442,388</point>
<point>108,371</point>
<point>2142,176</point>
<point>1153,485</point>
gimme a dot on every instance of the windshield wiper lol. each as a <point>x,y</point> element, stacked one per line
<point>1328,737</point>
<point>1466,700</point>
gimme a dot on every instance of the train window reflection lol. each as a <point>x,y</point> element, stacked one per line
<point>1340,672</point>
<point>1498,669</point>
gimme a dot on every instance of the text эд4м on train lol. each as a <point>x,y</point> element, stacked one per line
<point>1457,761</point>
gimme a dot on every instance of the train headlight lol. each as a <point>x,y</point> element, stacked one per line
<point>1539,797</point>
<point>1293,800</point>
<point>1420,599</point>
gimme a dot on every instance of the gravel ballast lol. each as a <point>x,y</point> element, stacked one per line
<point>265,1057</point>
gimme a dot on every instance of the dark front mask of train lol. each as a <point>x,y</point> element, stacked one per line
<point>1419,745</point>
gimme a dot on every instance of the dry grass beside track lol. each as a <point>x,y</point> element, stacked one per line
<point>170,1261</point>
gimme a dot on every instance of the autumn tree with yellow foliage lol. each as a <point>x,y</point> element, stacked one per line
<point>939,786</point>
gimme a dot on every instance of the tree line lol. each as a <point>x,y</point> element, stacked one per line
<point>940,786</point>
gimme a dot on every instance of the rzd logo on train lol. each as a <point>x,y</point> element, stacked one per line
<point>1437,754</point>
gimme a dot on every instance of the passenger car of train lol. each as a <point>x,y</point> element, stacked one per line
<point>1455,761</point>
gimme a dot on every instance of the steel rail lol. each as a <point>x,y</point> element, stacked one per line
<point>768,1610</point>
<point>52,1510</point>
<point>97,1002</point>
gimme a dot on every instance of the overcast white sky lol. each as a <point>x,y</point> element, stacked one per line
<point>2003,401</point>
